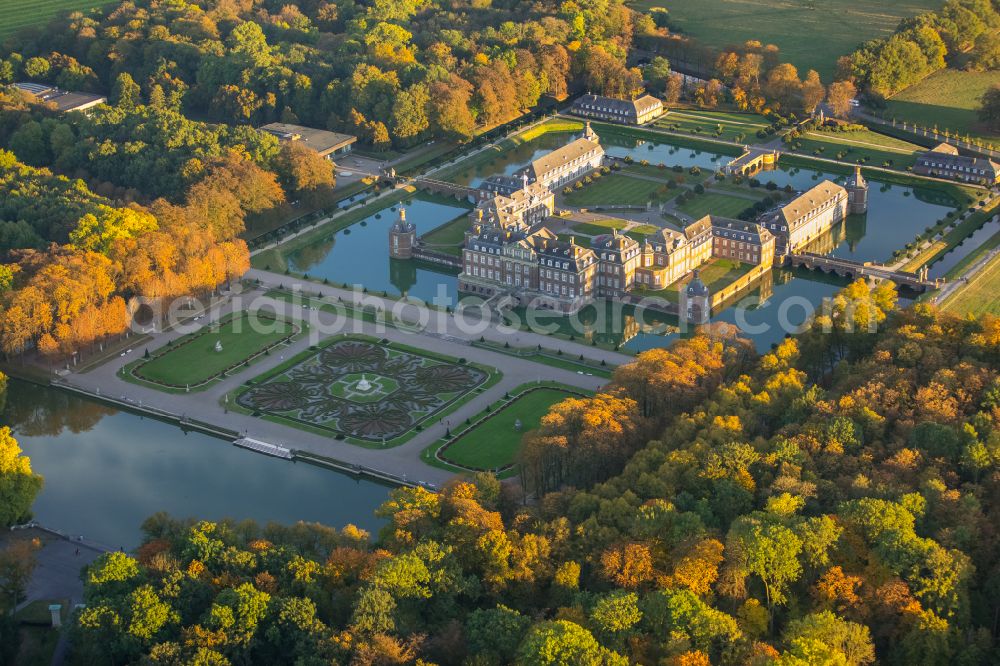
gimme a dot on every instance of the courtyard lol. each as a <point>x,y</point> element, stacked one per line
<point>363,390</point>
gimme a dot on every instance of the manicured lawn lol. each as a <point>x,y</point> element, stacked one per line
<point>948,99</point>
<point>981,295</point>
<point>448,234</point>
<point>810,34</point>
<point>707,123</point>
<point>613,190</point>
<point>495,442</point>
<point>714,203</point>
<point>716,274</point>
<point>598,227</point>
<point>865,147</point>
<point>192,360</point>
<point>554,125</point>
<point>19,14</point>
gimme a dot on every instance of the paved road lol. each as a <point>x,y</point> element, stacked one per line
<point>402,460</point>
<point>57,573</point>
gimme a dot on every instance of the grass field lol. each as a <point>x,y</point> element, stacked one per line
<point>19,14</point>
<point>714,203</point>
<point>948,99</point>
<point>606,225</point>
<point>859,147</point>
<point>981,295</point>
<point>716,274</point>
<point>615,189</point>
<point>810,34</point>
<point>494,442</point>
<point>192,360</point>
<point>449,237</point>
<point>707,123</point>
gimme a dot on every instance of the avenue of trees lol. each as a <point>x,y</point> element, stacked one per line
<point>963,34</point>
<point>833,501</point>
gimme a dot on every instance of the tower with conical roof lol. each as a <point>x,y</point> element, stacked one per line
<point>857,193</point>
<point>402,237</point>
<point>696,306</point>
<point>590,134</point>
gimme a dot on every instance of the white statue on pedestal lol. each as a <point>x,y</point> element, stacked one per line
<point>218,345</point>
<point>364,385</point>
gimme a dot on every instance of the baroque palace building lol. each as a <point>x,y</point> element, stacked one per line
<point>508,250</point>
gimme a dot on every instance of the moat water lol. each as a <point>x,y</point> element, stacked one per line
<point>359,254</point>
<point>107,470</point>
<point>896,215</point>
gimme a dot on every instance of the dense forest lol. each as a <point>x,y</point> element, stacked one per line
<point>392,71</point>
<point>833,501</point>
<point>133,200</point>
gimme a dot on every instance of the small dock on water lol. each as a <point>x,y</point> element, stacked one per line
<point>266,448</point>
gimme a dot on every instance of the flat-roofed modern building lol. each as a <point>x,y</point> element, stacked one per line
<point>325,143</point>
<point>944,161</point>
<point>638,111</point>
<point>63,100</point>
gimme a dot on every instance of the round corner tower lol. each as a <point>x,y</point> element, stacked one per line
<point>857,193</point>
<point>696,306</point>
<point>402,237</point>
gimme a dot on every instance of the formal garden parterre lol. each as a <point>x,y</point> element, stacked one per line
<point>362,390</point>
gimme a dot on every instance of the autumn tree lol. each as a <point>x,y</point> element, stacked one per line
<point>18,484</point>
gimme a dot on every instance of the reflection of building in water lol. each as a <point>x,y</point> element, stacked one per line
<point>828,241</point>
<point>765,286</point>
<point>402,275</point>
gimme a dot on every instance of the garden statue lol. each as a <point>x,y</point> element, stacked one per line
<point>218,345</point>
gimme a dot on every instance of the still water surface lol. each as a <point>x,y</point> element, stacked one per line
<point>107,470</point>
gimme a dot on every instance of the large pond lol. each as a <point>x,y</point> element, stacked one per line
<point>107,470</point>
<point>360,253</point>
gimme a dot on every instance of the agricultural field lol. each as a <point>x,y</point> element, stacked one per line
<point>192,361</point>
<point>947,99</point>
<point>495,442</point>
<point>713,203</point>
<point>810,34</point>
<point>19,14</point>
<point>615,189</point>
